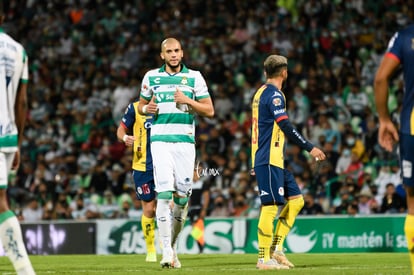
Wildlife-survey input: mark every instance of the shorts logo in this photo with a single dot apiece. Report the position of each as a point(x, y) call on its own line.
point(263, 193)
point(139, 190)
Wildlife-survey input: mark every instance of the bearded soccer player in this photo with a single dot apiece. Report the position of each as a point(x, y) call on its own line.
point(174, 94)
point(270, 128)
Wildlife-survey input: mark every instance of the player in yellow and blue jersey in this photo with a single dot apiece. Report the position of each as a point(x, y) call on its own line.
point(270, 128)
point(134, 130)
point(400, 52)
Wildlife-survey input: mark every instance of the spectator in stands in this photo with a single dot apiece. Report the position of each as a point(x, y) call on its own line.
point(32, 212)
point(311, 207)
point(392, 202)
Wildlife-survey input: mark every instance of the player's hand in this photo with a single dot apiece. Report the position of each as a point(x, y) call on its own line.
point(129, 140)
point(318, 154)
point(152, 106)
point(16, 160)
point(387, 135)
point(179, 97)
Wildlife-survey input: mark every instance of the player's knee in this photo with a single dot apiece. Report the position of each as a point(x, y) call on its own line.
point(296, 204)
point(181, 200)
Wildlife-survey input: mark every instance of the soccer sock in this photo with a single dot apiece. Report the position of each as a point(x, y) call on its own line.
point(163, 213)
point(286, 220)
point(265, 230)
point(409, 235)
point(12, 240)
point(148, 227)
point(180, 211)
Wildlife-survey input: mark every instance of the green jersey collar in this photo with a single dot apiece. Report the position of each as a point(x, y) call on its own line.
point(184, 69)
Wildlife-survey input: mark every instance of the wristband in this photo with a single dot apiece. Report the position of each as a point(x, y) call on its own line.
point(124, 138)
point(144, 109)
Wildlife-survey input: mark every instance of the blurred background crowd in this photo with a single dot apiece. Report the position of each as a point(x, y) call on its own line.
point(87, 58)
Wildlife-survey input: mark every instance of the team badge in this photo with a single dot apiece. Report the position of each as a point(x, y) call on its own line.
point(139, 190)
point(281, 191)
point(277, 101)
point(184, 81)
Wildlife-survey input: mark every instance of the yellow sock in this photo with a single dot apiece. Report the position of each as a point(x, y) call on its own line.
point(286, 220)
point(265, 230)
point(409, 235)
point(148, 228)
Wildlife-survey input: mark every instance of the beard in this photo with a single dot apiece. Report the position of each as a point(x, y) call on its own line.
point(173, 67)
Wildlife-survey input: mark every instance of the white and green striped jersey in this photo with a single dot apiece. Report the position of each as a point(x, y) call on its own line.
point(171, 124)
point(13, 70)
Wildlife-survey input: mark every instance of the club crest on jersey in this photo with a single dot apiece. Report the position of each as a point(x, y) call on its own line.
point(277, 101)
point(184, 81)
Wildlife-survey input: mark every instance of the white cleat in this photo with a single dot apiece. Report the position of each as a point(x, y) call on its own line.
point(271, 264)
point(281, 258)
point(176, 262)
point(167, 260)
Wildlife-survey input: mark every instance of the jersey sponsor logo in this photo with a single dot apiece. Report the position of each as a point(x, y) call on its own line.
point(145, 88)
point(276, 112)
point(157, 80)
point(147, 125)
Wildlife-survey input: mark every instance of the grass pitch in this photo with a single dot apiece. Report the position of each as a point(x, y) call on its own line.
point(349, 263)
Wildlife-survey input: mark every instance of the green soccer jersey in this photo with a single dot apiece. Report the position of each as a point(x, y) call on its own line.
point(13, 70)
point(173, 123)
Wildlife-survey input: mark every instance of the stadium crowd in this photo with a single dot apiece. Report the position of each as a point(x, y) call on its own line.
point(86, 61)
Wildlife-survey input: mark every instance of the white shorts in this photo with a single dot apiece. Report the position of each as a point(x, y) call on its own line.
point(6, 161)
point(173, 166)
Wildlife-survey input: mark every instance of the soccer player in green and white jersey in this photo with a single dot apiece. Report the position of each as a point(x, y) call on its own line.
point(174, 93)
point(14, 76)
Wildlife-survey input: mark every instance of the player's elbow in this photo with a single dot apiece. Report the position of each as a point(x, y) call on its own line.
point(210, 113)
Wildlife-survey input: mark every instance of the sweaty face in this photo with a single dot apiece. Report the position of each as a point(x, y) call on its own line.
point(172, 54)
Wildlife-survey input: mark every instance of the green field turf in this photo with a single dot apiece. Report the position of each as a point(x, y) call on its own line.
point(356, 264)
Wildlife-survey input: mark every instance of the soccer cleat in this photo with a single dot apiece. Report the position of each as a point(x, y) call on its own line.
point(167, 260)
point(281, 258)
point(270, 264)
point(176, 262)
point(151, 257)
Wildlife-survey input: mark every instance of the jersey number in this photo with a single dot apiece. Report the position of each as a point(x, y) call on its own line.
point(254, 130)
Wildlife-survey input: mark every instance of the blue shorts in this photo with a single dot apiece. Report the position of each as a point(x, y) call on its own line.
point(144, 185)
point(407, 159)
point(275, 184)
